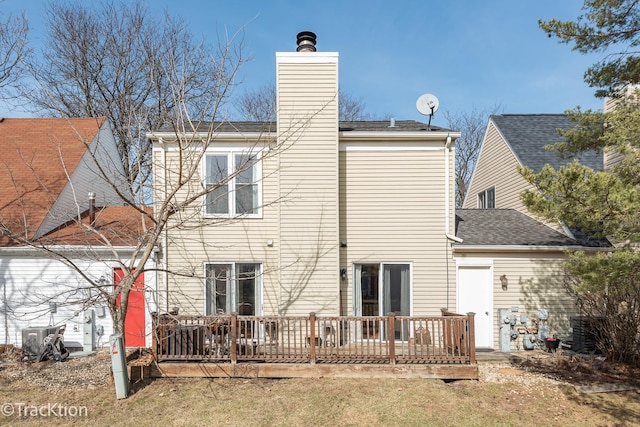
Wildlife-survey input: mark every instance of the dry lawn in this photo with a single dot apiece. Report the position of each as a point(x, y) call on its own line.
point(505, 396)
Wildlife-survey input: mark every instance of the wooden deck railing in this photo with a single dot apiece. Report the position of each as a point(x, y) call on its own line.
point(391, 339)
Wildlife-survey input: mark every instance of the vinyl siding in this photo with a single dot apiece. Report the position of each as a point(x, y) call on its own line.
point(300, 205)
point(393, 211)
point(308, 276)
point(194, 240)
point(497, 167)
point(535, 282)
point(31, 282)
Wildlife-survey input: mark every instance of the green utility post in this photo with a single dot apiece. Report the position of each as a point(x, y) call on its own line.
point(119, 365)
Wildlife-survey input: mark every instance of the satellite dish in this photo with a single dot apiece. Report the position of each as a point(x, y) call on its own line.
point(427, 104)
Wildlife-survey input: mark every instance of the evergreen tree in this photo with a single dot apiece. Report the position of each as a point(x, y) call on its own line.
point(604, 203)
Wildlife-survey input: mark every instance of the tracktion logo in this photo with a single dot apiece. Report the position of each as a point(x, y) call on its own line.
point(54, 410)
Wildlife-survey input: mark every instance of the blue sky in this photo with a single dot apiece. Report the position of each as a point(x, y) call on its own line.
point(470, 54)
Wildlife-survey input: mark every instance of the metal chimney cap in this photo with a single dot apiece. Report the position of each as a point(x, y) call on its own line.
point(306, 41)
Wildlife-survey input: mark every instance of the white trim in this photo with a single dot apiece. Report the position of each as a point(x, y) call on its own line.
point(166, 138)
point(231, 192)
point(306, 57)
point(473, 262)
point(232, 294)
point(380, 284)
point(389, 147)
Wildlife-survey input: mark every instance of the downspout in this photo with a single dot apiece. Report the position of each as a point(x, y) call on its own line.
point(447, 147)
point(447, 211)
point(165, 251)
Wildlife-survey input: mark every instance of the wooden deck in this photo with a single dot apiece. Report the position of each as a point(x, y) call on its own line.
point(313, 346)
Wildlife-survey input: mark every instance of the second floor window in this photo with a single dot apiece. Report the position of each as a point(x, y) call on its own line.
point(487, 198)
point(235, 177)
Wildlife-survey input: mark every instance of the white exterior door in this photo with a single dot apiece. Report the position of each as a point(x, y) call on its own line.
point(475, 294)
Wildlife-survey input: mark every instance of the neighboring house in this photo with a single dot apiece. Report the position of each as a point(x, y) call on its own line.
point(48, 169)
point(351, 218)
point(509, 262)
point(513, 140)
point(502, 240)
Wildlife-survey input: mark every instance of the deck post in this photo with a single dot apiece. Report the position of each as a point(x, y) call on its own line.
point(472, 337)
point(154, 336)
point(233, 340)
point(312, 338)
point(391, 337)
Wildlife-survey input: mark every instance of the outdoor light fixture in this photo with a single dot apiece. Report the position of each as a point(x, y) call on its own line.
point(343, 273)
point(343, 243)
point(504, 281)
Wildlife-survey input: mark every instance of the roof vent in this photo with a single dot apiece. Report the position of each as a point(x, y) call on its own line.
point(306, 41)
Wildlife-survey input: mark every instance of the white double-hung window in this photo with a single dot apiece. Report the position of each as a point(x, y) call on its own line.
point(234, 180)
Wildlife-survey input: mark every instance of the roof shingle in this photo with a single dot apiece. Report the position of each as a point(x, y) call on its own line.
point(38, 155)
point(528, 134)
point(498, 227)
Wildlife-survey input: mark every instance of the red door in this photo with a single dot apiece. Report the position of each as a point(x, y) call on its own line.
point(134, 325)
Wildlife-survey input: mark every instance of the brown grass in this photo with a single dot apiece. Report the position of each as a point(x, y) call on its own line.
point(329, 402)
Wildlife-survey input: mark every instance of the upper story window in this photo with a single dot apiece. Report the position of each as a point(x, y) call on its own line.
point(487, 198)
point(236, 178)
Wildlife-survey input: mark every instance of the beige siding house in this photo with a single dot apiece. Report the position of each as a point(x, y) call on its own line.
point(508, 263)
point(336, 218)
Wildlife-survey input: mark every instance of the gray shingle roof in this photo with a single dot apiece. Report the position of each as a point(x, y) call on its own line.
point(357, 126)
point(527, 134)
point(497, 227)
point(385, 126)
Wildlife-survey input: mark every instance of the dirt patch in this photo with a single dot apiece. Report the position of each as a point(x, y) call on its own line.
point(84, 372)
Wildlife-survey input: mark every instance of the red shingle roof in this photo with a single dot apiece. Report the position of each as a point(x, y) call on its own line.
point(37, 156)
point(121, 225)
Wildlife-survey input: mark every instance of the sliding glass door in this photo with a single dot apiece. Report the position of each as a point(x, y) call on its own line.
point(380, 289)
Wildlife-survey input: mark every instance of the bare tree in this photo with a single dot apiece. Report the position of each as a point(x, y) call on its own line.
point(120, 62)
point(259, 105)
point(13, 50)
point(143, 76)
point(351, 109)
point(472, 125)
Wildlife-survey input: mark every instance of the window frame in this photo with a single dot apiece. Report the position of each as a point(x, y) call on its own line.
point(381, 286)
point(232, 290)
point(483, 198)
point(234, 182)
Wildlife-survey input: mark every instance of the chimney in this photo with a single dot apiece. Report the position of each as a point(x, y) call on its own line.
point(306, 41)
point(92, 207)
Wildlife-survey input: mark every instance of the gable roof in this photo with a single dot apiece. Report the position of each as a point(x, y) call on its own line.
point(528, 134)
point(38, 156)
point(500, 227)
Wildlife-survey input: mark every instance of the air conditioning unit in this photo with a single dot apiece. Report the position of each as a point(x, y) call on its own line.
point(33, 337)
